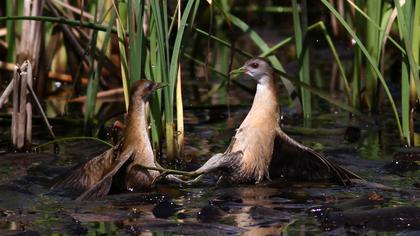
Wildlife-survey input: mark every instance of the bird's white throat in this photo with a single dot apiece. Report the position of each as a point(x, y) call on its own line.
point(264, 80)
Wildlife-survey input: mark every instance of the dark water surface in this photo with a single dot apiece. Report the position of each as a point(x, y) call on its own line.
point(272, 208)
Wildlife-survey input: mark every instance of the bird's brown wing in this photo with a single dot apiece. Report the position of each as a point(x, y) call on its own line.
point(293, 160)
point(87, 174)
point(229, 148)
point(102, 187)
point(221, 162)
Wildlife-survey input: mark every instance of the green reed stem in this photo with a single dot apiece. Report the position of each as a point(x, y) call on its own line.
point(371, 62)
point(300, 30)
point(92, 88)
point(404, 27)
point(121, 25)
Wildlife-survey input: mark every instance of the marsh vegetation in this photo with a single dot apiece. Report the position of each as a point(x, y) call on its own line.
point(348, 76)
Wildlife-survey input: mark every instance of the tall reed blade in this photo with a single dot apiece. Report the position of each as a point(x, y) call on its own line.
point(137, 50)
point(370, 60)
point(300, 30)
point(168, 63)
point(405, 100)
point(92, 88)
point(121, 23)
point(414, 97)
point(374, 10)
point(179, 103)
point(11, 35)
point(408, 23)
point(405, 27)
point(153, 72)
point(159, 16)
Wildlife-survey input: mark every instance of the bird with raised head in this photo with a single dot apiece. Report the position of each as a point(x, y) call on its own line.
point(122, 166)
point(261, 150)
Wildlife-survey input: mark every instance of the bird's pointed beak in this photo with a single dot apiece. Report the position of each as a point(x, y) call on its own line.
point(159, 86)
point(237, 72)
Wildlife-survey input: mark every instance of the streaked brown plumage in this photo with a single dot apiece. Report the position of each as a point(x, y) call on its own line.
point(260, 149)
point(124, 162)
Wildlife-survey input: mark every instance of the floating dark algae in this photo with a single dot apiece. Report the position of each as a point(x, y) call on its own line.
point(404, 160)
point(165, 208)
point(383, 219)
point(368, 213)
point(407, 154)
point(210, 213)
point(226, 202)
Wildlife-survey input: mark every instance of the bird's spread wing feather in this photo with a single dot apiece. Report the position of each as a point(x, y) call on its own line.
point(292, 160)
point(229, 148)
point(98, 190)
point(86, 174)
point(219, 161)
point(95, 173)
point(102, 187)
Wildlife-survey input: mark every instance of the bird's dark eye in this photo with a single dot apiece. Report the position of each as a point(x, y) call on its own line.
point(150, 86)
point(254, 65)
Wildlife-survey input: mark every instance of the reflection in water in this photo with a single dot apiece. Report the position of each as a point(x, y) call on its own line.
point(371, 146)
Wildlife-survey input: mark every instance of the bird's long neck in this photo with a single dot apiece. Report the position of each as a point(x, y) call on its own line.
point(265, 106)
point(136, 132)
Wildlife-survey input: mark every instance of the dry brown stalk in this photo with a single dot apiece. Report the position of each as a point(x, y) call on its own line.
point(21, 85)
point(108, 94)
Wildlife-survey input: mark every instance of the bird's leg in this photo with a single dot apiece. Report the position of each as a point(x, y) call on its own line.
point(215, 163)
point(175, 179)
point(170, 175)
point(165, 171)
point(159, 177)
point(158, 165)
point(219, 161)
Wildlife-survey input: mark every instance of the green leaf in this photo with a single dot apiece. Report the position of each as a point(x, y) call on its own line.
point(370, 60)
